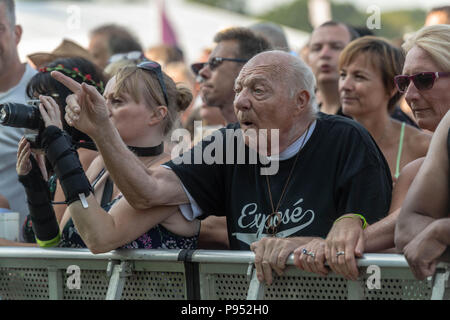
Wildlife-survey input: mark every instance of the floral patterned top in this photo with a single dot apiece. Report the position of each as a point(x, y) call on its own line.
point(157, 237)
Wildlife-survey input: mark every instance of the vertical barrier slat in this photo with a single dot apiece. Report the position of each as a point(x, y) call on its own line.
point(55, 283)
point(120, 272)
point(355, 290)
point(256, 289)
point(439, 285)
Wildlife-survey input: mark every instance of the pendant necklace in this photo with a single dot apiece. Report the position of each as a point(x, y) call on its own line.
point(274, 219)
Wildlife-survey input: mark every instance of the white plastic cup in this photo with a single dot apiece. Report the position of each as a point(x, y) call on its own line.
point(9, 225)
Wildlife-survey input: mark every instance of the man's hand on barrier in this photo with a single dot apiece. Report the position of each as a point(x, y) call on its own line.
point(345, 243)
point(86, 109)
point(271, 254)
point(311, 257)
point(423, 251)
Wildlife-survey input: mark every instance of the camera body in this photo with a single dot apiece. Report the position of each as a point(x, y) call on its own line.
point(26, 116)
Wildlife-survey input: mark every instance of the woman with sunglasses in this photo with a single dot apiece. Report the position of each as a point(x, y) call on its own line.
point(426, 82)
point(143, 104)
point(427, 51)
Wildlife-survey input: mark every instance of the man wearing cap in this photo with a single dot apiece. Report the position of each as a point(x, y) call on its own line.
point(14, 77)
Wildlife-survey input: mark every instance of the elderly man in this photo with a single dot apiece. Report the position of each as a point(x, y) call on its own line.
point(234, 47)
point(328, 166)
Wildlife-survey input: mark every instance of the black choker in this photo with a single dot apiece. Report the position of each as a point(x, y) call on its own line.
point(148, 151)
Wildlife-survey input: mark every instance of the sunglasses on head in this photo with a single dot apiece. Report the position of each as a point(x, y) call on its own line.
point(155, 67)
point(213, 63)
point(133, 55)
point(422, 81)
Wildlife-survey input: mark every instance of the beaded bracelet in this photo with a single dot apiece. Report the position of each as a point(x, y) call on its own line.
point(354, 215)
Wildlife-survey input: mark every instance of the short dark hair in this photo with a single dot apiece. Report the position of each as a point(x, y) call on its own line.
point(10, 11)
point(250, 44)
point(443, 9)
point(43, 83)
point(352, 32)
point(120, 39)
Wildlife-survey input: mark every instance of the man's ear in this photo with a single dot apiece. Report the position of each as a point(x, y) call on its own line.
point(18, 33)
point(302, 98)
point(158, 115)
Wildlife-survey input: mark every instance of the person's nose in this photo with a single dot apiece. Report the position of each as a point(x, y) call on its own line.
point(345, 83)
point(242, 100)
point(325, 52)
point(411, 93)
point(205, 72)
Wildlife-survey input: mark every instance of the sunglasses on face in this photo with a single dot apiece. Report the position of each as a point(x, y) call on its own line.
point(155, 67)
point(213, 63)
point(422, 81)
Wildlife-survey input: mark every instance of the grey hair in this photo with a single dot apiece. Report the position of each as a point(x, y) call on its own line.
point(10, 7)
point(303, 78)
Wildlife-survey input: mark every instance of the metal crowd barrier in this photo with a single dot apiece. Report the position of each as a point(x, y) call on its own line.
point(77, 274)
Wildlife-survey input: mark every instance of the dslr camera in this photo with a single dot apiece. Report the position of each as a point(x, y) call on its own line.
point(26, 116)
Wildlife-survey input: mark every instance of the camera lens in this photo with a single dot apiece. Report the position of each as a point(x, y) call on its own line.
point(3, 114)
point(20, 116)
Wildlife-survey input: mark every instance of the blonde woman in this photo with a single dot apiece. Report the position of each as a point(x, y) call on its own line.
point(143, 103)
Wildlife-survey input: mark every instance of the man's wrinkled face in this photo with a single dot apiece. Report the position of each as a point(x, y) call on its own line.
point(264, 99)
point(217, 88)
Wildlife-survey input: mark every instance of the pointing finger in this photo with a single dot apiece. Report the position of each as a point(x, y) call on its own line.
point(71, 84)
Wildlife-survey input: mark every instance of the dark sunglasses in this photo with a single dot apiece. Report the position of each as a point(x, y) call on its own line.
point(422, 81)
point(213, 63)
point(155, 67)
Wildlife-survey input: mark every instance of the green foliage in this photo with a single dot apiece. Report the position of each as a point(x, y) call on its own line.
point(393, 24)
point(294, 15)
point(232, 5)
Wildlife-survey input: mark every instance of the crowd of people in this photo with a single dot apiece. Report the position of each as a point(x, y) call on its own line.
point(355, 171)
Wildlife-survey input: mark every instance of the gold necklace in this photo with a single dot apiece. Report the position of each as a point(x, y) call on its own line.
point(271, 225)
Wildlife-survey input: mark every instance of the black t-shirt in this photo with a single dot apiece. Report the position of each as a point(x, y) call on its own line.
point(339, 170)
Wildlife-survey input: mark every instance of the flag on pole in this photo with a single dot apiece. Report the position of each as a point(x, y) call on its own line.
point(168, 35)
